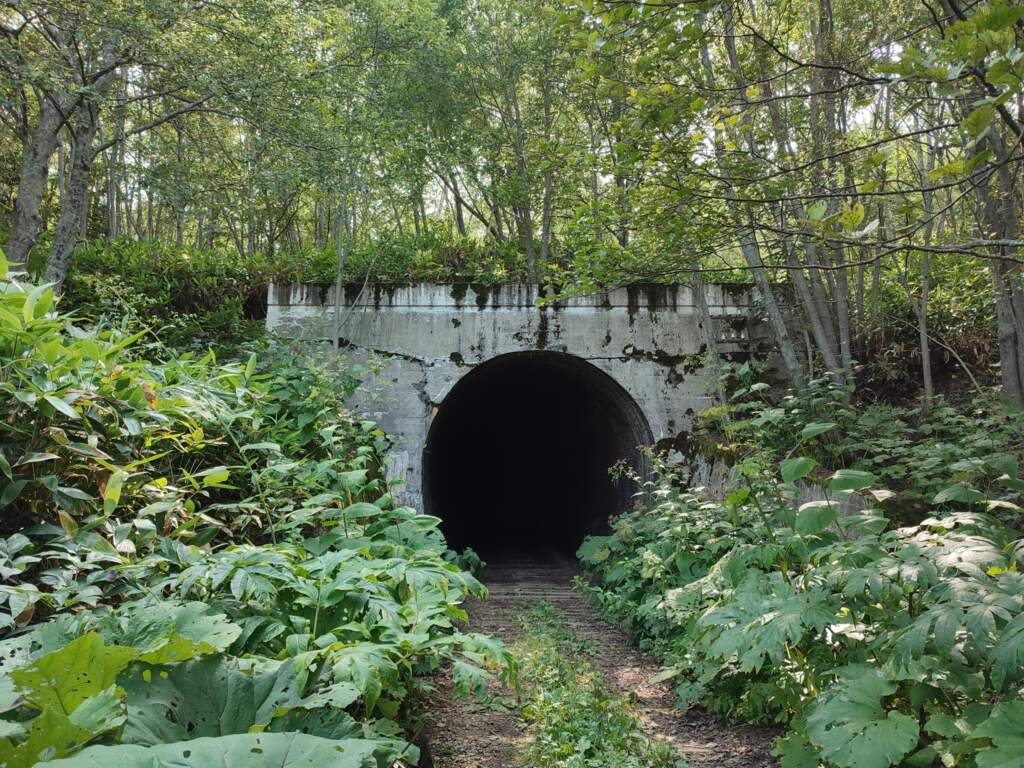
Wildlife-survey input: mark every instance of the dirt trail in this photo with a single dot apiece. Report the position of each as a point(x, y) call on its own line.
point(464, 735)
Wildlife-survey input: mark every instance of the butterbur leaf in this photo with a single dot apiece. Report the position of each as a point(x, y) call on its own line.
point(796, 468)
point(338, 696)
point(942, 724)
point(851, 726)
point(63, 679)
point(212, 696)
point(54, 734)
point(9, 696)
point(958, 492)
point(252, 750)
point(102, 712)
point(51, 735)
point(326, 722)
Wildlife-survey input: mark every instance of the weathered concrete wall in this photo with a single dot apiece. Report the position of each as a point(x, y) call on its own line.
point(424, 338)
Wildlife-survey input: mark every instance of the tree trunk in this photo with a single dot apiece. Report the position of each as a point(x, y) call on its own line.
point(752, 255)
point(922, 334)
point(707, 327)
point(745, 231)
point(346, 232)
point(460, 219)
point(74, 209)
point(35, 165)
point(179, 205)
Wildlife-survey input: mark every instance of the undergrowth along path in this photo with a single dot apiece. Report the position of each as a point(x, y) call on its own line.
point(485, 734)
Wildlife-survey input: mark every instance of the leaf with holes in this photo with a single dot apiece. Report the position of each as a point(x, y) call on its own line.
point(63, 679)
point(166, 632)
point(212, 696)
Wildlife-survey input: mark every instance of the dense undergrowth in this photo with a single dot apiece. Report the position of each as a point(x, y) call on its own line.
point(883, 623)
point(201, 561)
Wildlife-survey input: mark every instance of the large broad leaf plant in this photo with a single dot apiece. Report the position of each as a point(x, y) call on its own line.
point(875, 642)
point(201, 563)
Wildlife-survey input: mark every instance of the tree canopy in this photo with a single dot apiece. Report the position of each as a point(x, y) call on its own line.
point(858, 160)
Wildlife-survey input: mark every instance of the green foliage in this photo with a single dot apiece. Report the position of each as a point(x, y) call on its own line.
point(875, 644)
point(575, 721)
point(852, 728)
point(187, 298)
point(436, 256)
point(197, 551)
point(963, 455)
point(261, 750)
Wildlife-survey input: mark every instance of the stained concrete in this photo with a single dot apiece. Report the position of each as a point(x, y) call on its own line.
point(422, 339)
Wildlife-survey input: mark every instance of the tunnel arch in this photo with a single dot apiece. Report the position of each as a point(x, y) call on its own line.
point(517, 455)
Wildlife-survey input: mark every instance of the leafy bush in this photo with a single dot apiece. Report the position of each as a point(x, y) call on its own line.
point(967, 452)
point(191, 299)
point(204, 559)
point(187, 298)
point(877, 645)
point(435, 256)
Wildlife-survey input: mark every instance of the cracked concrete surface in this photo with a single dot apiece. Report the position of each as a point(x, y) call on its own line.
point(647, 338)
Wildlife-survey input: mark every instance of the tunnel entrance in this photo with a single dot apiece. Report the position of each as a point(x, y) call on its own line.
point(517, 457)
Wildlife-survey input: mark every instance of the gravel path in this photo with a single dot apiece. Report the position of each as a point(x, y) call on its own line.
point(467, 735)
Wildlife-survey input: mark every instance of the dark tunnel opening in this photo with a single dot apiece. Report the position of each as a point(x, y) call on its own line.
point(517, 458)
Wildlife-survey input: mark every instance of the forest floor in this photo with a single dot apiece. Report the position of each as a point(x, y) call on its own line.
point(483, 734)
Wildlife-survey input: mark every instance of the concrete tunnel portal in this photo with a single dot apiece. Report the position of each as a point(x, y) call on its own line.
point(517, 456)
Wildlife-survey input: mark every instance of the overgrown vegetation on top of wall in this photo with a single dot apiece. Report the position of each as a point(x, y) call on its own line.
point(201, 561)
point(198, 299)
point(888, 636)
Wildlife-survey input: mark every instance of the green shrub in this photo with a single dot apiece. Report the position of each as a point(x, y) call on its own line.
point(970, 450)
point(204, 559)
point(875, 644)
point(436, 256)
point(188, 299)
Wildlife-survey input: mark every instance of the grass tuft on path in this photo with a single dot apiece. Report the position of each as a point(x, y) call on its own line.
point(575, 720)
